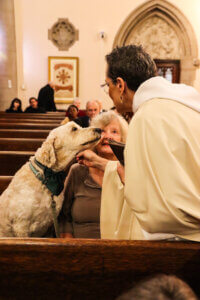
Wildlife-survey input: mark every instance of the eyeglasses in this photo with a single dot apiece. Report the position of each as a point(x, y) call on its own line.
point(105, 87)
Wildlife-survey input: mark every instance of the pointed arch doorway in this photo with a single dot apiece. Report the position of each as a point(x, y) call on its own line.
point(165, 33)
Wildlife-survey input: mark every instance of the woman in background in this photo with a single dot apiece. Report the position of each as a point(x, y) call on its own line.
point(15, 107)
point(80, 216)
point(72, 113)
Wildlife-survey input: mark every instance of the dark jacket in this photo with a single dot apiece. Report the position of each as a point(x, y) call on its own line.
point(83, 121)
point(30, 109)
point(46, 98)
point(10, 110)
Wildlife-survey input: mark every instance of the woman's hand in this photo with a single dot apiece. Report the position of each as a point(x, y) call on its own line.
point(91, 159)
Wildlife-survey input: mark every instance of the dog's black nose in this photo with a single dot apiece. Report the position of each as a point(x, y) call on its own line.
point(98, 130)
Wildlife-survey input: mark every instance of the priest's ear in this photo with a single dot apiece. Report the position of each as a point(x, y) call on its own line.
point(121, 84)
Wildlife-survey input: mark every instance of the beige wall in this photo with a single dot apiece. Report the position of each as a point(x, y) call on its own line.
point(8, 66)
point(35, 17)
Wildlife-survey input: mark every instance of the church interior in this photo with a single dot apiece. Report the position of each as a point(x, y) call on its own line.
point(65, 42)
point(168, 30)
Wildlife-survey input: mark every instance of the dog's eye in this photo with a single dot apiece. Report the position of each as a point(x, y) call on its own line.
point(74, 128)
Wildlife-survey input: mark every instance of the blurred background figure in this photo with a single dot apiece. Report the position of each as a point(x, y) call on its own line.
point(81, 112)
point(100, 106)
point(33, 107)
point(77, 102)
point(15, 106)
point(72, 113)
point(92, 110)
point(160, 287)
point(46, 97)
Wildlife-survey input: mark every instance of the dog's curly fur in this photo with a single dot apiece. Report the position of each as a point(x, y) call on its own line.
point(25, 206)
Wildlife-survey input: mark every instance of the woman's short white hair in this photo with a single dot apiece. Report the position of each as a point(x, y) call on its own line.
point(105, 118)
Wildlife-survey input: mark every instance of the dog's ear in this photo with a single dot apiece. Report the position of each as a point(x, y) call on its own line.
point(48, 153)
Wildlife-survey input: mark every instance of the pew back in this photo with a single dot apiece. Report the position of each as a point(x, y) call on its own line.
point(4, 182)
point(19, 125)
point(30, 120)
point(89, 269)
point(24, 133)
point(20, 144)
point(53, 116)
point(11, 161)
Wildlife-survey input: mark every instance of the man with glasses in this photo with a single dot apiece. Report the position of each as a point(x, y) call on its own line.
point(92, 109)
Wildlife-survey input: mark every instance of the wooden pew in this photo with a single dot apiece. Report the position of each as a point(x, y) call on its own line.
point(20, 144)
point(89, 269)
point(20, 125)
point(30, 120)
point(11, 161)
point(48, 113)
point(4, 182)
point(23, 133)
point(57, 116)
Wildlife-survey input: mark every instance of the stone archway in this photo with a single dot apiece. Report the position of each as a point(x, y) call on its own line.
point(165, 33)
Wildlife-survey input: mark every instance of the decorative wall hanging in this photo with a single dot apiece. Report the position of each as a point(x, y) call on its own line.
point(63, 34)
point(63, 71)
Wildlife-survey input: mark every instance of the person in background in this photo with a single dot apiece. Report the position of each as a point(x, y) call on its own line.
point(81, 112)
point(46, 97)
point(101, 106)
point(80, 216)
point(15, 106)
point(160, 287)
point(77, 102)
point(92, 110)
point(72, 113)
point(33, 107)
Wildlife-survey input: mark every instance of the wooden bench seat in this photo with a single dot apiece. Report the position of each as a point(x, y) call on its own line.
point(89, 269)
point(11, 161)
point(30, 120)
point(20, 125)
point(24, 133)
point(20, 144)
point(32, 115)
point(4, 182)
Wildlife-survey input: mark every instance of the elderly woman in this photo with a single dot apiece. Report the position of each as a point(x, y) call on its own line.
point(80, 216)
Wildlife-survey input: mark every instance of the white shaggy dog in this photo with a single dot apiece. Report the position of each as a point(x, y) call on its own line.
point(25, 206)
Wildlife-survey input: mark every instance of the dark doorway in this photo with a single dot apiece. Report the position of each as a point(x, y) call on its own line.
point(169, 69)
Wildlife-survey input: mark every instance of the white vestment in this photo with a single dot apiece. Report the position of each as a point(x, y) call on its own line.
point(161, 196)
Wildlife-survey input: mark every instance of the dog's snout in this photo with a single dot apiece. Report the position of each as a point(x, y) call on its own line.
point(98, 130)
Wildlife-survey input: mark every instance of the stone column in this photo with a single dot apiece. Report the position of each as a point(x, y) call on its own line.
point(8, 66)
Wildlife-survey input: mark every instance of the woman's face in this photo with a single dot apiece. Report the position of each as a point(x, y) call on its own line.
point(111, 131)
point(16, 104)
point(114, 95)
point(73, 113)
point(121, 95)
